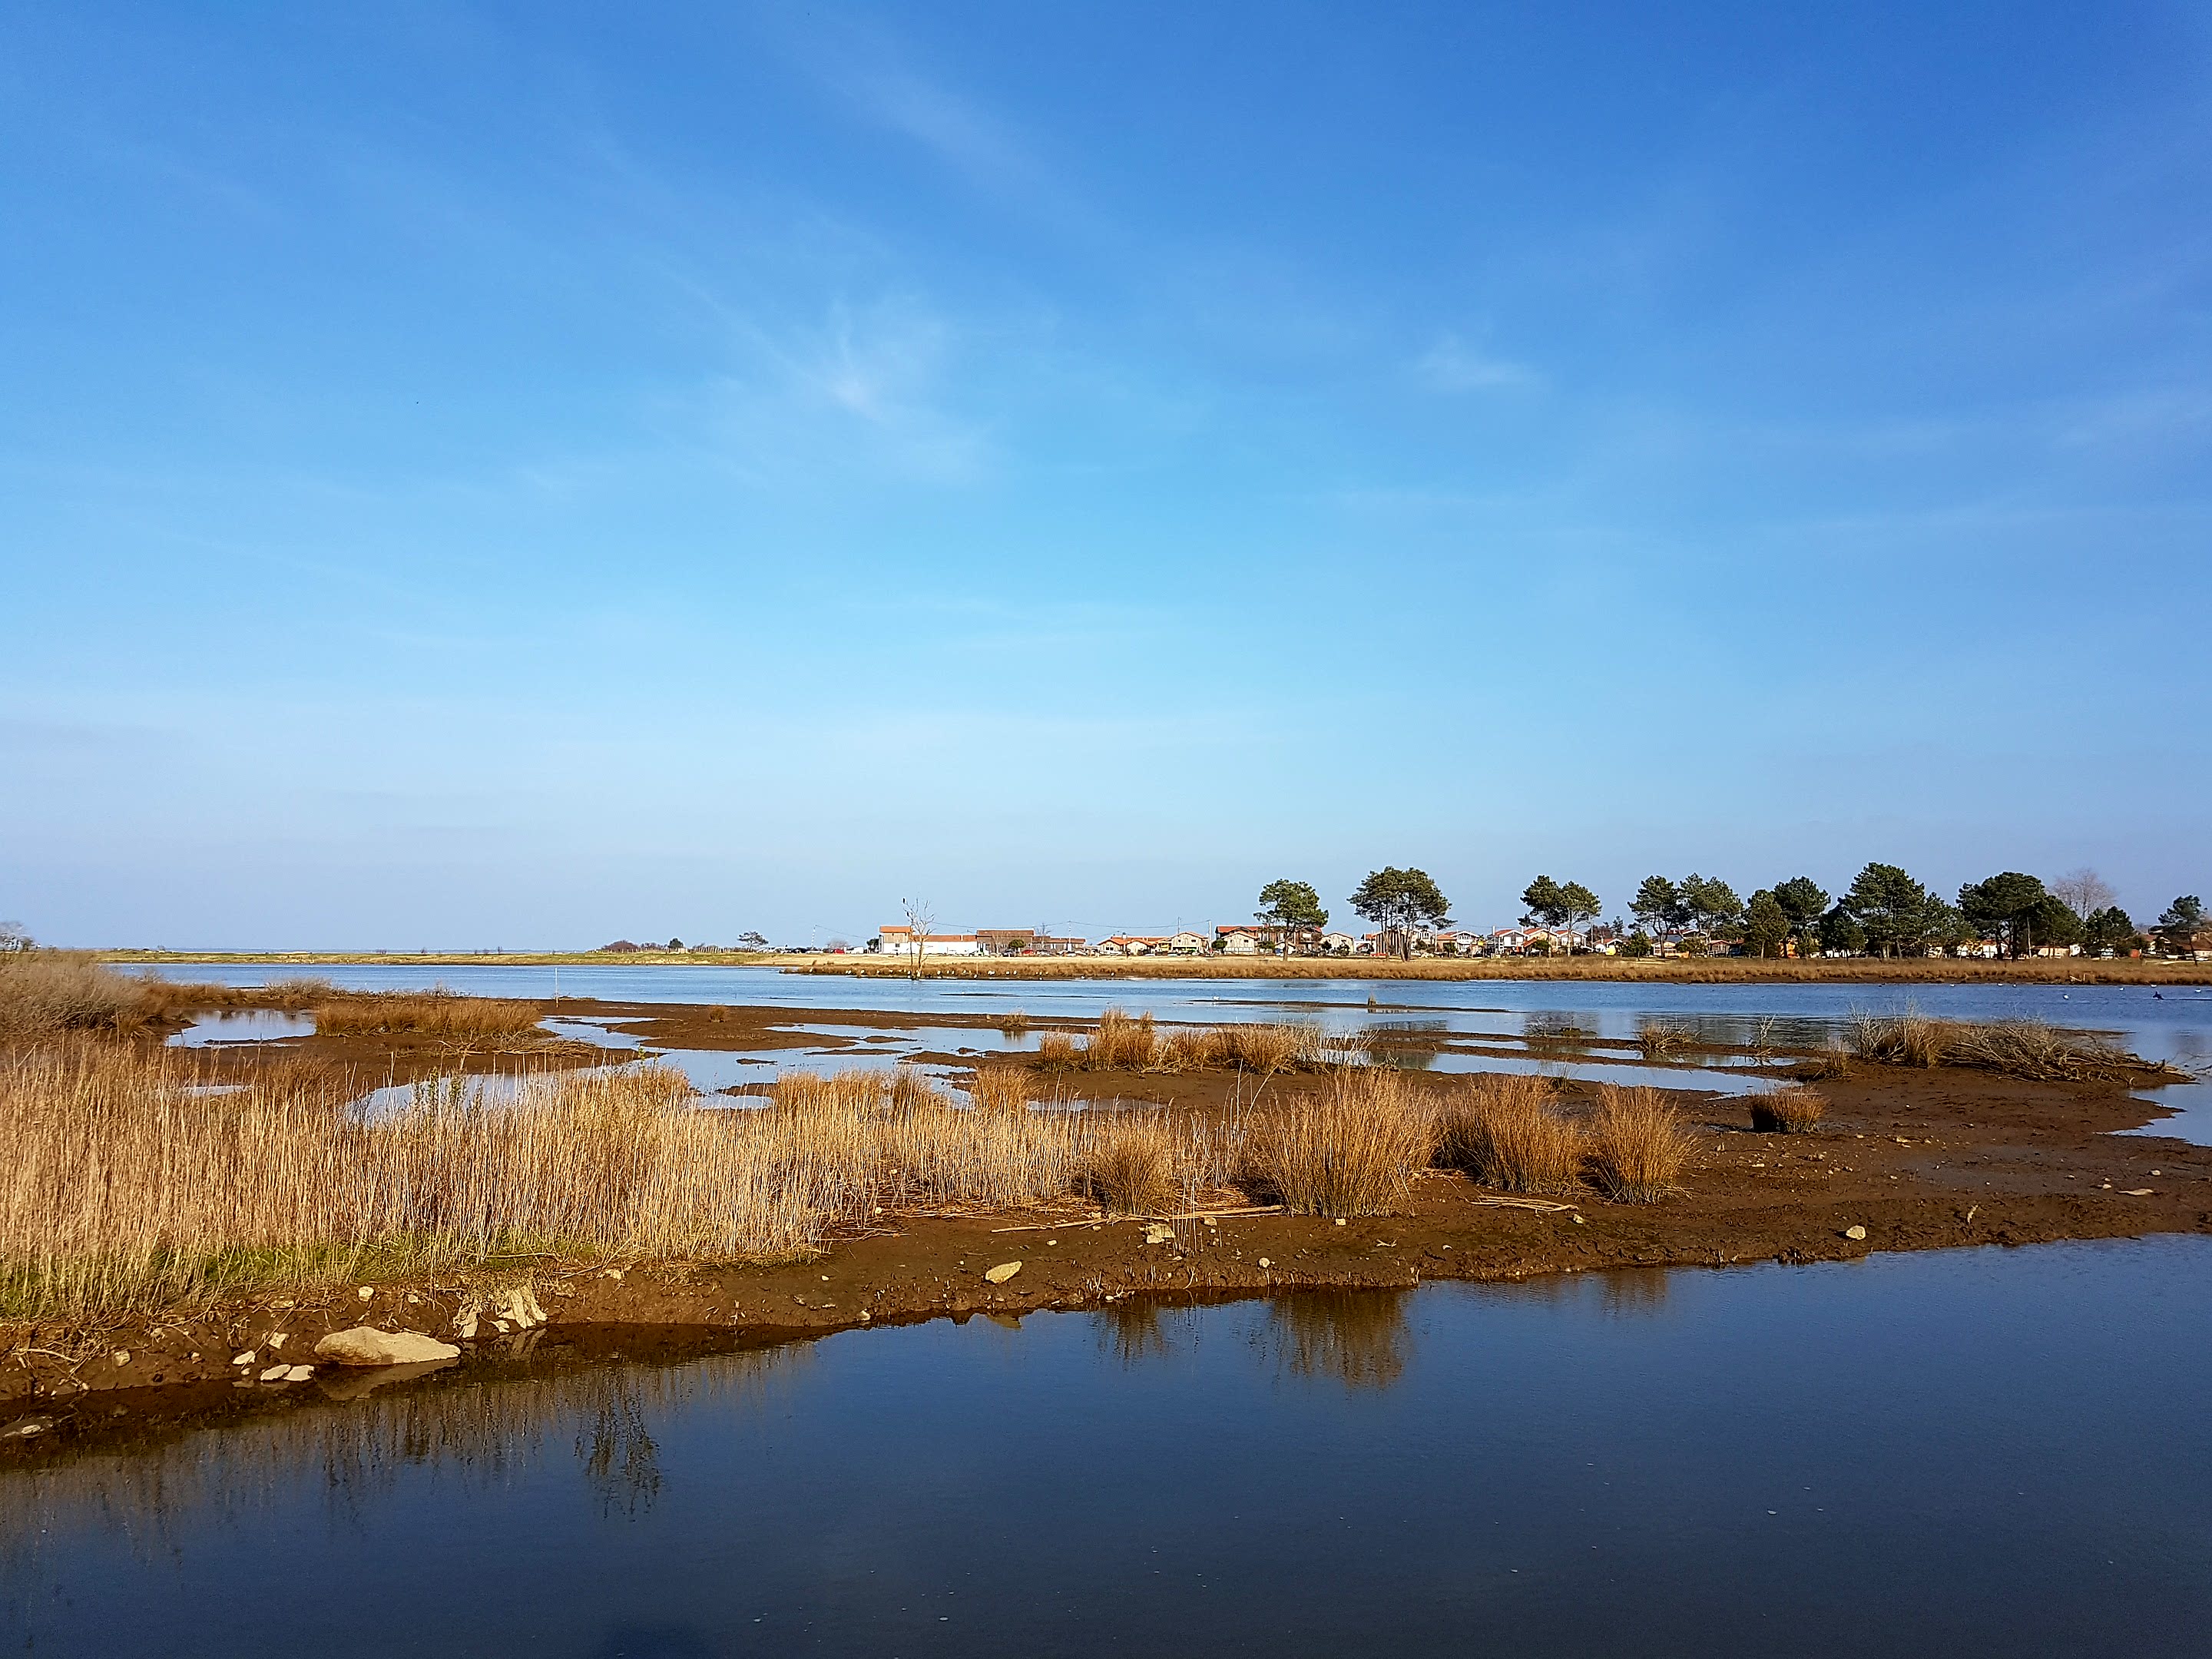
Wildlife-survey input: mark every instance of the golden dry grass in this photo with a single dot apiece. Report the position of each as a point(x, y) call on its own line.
point(1352, 1149)
point(1000, 1089)
point(43, 991)
point(1131, 1043)
point(1789, 1111)
point(1638, 1144)
point(1130, 1165)
point(1505, 1131)
point(132, 1186)
point(2015, 1047)
point(1058, 1052)
point(444, 1016)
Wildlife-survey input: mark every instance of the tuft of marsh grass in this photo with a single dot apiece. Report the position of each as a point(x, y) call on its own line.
point(1056, 1051)
point(1014, 1026)
point(1638, 1144)
point(1502, 1130)
point(1350, 1150)
point(447, 1016)
point(1788, 1111)
point(1130, 1165)
point(1658, 1040)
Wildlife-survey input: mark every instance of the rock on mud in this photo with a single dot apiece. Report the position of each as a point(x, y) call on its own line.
point(1002, 1273)
point(364, 1345)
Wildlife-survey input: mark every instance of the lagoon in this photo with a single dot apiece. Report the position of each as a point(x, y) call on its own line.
point(1983, 1451)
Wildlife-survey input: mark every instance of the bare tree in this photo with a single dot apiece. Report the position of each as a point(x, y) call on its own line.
point(919, 919)
point(2083, 891)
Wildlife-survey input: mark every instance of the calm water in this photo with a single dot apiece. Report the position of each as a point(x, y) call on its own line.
point(1971, 1453)
point(2176, 1025)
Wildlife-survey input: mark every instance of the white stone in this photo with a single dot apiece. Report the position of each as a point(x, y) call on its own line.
point(364, 1345)
point(1265, 1262)
point(246, 1358)
point(1855, 1233)
point(521, 1306)
point(367, 1293)
point(299, 1373)
point(122, 1356)
point(465, 1325)
point(1002, 1273)
point(276, 1337)
point(277, 1374)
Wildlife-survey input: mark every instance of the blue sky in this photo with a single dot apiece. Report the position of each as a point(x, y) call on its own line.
point(523, 475)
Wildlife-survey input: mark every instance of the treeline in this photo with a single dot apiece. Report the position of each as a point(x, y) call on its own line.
point(1884, 912)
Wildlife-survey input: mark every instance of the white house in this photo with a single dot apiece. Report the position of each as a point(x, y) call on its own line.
point(1186, 941)
point(899, 940)
point(1338, 943)
point(1133, 945)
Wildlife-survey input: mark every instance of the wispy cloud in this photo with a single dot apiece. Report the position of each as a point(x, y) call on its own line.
point(1451, 365)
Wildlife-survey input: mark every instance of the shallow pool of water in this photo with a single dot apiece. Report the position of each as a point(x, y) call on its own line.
point(1975, 1452)
point(242, 1025)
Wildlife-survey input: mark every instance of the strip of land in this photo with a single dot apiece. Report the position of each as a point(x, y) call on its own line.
point(2034, 970)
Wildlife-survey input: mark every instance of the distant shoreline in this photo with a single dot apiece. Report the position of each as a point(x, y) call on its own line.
point(2062, 970)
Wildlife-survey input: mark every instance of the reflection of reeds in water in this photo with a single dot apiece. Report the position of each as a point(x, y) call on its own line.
point(160, 1490)
point(1133, 1332)
point(1359, 1338)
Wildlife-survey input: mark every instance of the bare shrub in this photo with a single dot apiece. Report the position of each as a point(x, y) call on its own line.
point(1350, 1150)
point(1639, 1145)
point(1502, 1129)
point(1832, 1061)
point(1658, 1040)
point(1014, 1026)
point(1790, 1111)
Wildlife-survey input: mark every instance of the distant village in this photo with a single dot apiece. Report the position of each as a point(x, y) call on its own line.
point(1245, 939)
point(1885, 912)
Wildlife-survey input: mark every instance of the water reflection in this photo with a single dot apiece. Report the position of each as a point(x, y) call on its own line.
point(1357, 1338)
point(621, 1459)
point(1273, 1476)
point(1133, 1332)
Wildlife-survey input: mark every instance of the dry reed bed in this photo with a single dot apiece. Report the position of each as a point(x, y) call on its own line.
point(2025, 1048)
point(133, 1185)
point(1127, 1042)
point(44, 992)
point(442, 1015)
